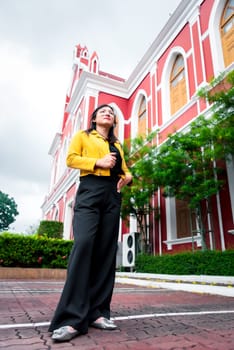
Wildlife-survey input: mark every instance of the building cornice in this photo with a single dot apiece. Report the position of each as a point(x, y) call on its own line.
point(96, 82)
point(176, 22)
point(184, 11)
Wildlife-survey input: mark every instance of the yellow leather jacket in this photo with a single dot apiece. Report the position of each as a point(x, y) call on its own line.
point(85, 149)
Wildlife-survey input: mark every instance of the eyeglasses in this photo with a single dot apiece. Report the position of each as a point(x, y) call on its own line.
point(106, 111)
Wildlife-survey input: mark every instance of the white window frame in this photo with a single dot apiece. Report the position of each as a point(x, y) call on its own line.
point(170, 204)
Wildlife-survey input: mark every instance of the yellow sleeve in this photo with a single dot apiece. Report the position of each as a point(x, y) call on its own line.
point(75, 157)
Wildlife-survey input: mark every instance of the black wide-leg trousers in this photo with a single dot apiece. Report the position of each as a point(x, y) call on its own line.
point(90, 278)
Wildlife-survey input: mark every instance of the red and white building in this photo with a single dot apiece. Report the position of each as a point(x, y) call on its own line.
point(195, 45)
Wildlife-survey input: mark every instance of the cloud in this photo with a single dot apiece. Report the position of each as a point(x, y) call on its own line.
point(36, 44)
point(31, 111)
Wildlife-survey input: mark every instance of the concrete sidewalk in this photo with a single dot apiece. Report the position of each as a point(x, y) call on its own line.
point(217, 285)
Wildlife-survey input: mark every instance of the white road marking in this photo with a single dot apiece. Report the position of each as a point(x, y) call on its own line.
point(131, 317)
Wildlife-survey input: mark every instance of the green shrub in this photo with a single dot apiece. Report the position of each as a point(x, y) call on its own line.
point(17, 250)
point(198, 263)
point(33, 251)
point(50, 229)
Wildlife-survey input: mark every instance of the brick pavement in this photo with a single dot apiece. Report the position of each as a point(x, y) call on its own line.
point(148, 318)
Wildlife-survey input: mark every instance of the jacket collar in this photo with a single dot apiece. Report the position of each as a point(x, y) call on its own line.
point(95, 133)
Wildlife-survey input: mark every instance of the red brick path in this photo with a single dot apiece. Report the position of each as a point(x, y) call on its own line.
point(148, 318)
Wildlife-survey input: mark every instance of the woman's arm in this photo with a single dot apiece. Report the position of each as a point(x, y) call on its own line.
point(75, 158)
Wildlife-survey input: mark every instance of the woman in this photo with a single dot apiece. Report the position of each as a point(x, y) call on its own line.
point(87, 293)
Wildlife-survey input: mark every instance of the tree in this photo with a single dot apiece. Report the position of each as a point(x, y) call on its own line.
point(187, 166)
point(190, 165)
point(137, 197)
point(50, 229)
point(8, 211)
point(220, 93)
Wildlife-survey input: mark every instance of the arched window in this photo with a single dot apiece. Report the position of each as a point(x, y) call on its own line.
point(178, 93)
point(56, 215)
point(227, 32)
point(85, 53)
point(119, 128)
point(95, 66)
point(116, 130)
point(142, 116)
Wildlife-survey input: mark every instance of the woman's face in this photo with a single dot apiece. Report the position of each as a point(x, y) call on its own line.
point(105, 117)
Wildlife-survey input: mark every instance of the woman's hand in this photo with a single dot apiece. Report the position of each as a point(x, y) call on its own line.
point(107, 162)
point(122, 182)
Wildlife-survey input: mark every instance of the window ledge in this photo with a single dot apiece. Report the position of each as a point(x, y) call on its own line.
point(172, 242)
point(171, 118)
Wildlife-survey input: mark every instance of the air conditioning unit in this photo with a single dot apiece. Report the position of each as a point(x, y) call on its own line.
point(128, 249)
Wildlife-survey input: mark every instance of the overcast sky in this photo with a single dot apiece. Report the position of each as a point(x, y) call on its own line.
point(37, 38)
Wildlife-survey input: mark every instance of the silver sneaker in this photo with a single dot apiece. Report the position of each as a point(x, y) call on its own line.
point(63, 334)
point(104, 323)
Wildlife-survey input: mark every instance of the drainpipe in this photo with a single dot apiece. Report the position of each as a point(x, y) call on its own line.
point(159, 226)
point(219, 214)
point(220, 222)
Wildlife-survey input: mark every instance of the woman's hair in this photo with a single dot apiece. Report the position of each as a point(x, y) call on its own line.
point(111, 136)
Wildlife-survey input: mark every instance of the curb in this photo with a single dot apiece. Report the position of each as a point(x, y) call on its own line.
point(216, 285)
